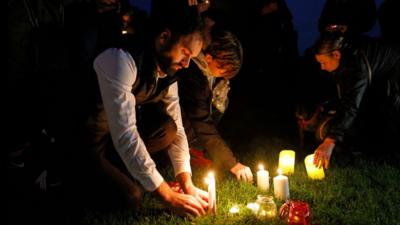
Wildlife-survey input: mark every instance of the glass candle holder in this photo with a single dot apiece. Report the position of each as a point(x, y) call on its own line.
point(267, 208)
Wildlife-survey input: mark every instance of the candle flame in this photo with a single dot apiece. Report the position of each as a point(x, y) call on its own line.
point(261, 167)
point(209, 177)
point(279, 171)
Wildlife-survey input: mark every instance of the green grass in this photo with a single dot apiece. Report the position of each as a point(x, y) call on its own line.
point(361, 193)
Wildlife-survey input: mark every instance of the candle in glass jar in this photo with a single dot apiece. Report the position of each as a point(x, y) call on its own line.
point(281, 186)
point(312, 171)
point(262, 178)
point(286, 161)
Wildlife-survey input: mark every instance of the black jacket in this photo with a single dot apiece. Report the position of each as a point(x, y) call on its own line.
point(361, 91)
point(195, 100)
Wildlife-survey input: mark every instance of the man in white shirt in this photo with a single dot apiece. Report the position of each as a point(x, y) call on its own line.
point(140, 110)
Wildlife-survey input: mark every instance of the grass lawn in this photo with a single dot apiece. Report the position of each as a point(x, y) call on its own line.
point(362, 192)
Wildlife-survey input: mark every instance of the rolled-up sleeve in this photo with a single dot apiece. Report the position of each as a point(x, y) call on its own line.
point(179, 149)
point(116, 73)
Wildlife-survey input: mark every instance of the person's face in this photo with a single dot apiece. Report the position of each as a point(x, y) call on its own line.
point(330, 61)
point(214, 67)
point(172, 58)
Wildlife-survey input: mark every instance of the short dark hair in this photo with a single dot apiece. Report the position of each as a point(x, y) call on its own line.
point(227, 50)
point(175, 15)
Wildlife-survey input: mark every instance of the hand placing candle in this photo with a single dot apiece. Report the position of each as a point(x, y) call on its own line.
point(262, 178)
point(212, 197)
point(286, 161)
point(281, 186)
point(312, 171)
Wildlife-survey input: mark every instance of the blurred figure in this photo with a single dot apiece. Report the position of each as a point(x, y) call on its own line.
point(351, 17)
point(203, 91)
point(388, 15)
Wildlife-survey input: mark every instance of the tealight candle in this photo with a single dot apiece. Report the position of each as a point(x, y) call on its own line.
point(262, 178)
point(253, 206)
point(234, 210)
point(212, 200)
point(312, 171)
point(286, 161)
point(281, 186)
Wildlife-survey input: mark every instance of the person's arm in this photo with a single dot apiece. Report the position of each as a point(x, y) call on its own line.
point(116, 73)
point(195, 97)
point(179, 149)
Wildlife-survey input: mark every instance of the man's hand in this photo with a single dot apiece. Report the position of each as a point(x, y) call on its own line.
point(242, 172)
point(180, 204)
point(188, 188)
point(323, 153)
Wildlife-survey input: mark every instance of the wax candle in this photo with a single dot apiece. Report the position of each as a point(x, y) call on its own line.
point(281, 186)
point(312, 171)
point(286, 161)
point(212, 200)
point(262, 178)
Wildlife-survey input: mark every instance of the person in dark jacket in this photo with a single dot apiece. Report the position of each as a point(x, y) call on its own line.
point(203, 96)
point(368, 87)
point(353, 17)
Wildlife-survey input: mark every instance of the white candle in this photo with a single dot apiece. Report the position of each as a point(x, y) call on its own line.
point(286, 161)
point(262, 178)
point(212, 200)
point(312, 171)
point(281, 186)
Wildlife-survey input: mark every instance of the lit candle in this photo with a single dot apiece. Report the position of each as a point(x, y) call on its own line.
point(281, 186)
point(312, 171)
point(286, 161)
point(212, 200)
point(234, 210)
point(254, 207)
point(262, 178)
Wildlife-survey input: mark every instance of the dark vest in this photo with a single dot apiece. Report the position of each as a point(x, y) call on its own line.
point(147, 87)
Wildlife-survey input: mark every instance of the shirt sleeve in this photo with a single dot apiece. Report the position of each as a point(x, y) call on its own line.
point(179, 149)
point(116, 73)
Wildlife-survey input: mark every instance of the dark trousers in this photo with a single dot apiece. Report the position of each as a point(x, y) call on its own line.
point(156, 128)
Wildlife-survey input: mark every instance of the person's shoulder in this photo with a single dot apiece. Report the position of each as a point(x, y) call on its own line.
point(112, 56)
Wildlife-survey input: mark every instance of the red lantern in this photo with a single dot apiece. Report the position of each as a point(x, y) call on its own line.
point(295, 212)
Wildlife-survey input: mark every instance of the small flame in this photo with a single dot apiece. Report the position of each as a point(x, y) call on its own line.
point(261, 167)
point(234, 210)
point(279, 171)
point(209, 177)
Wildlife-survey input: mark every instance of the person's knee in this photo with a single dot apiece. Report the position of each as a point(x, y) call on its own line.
point(134, 198)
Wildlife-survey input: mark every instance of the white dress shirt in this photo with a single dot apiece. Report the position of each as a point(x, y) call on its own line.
point(116, 73)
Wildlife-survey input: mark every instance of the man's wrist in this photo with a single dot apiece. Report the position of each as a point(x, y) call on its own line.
point(185, 179)
point(329, 140)
point(164, 192)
